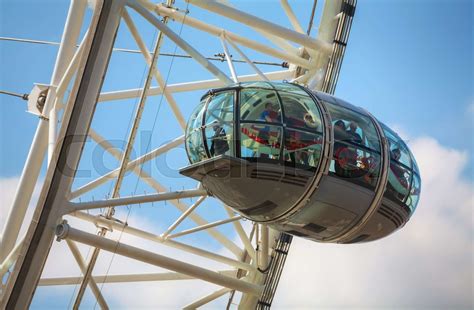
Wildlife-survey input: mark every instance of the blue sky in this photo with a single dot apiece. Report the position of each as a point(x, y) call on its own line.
point(410, 63)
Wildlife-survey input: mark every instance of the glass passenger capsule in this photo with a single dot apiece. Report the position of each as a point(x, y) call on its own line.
point(303, 162)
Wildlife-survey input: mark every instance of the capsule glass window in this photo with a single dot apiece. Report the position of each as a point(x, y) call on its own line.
point(400, 172)
point(259, 105)
point(398, 149)
point(414, 164)
point(288, 87)
point(260, 141)
point(257, 84)
point(398, 186)
point(302, 149)
point(194, 140)
point(356, 147)
point(414, 197)
point(219, 124)
point(301, 112)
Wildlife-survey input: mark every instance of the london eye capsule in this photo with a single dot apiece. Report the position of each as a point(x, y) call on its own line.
point(303, 162)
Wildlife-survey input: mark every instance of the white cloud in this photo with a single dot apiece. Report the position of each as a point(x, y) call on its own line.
point(401, 132)
point(8, 187)
point(470, 107)
point(427, 264)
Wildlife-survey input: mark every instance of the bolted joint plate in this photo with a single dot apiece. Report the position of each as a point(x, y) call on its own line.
point(37, 99)
point(62, 231)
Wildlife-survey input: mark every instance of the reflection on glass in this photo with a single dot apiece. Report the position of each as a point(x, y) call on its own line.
point(260, 141)
point(257, 84)
point(287, 87)
point(402, 165)
point(221, 109)
point(219, 124)
point(414, 197)
point(353, 127)
point(356, 164)
point(398, 184)
point(356, 147)
point(260, 105)
point(301, 112)
point(219, 139)
point(398, 150)
point(302, 148)
point(195, 121)
point(194, 143)
point(414, 164)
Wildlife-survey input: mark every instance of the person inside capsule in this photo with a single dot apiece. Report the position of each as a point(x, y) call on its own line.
point(398, 184)
point(219, 143)
point(354, 145)
point(353, 135)
point(403, 186)
point(268, 115)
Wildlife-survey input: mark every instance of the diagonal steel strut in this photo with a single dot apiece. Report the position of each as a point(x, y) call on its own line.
point(124, 162)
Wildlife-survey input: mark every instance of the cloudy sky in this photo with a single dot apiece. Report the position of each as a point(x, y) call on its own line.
point(410, 63)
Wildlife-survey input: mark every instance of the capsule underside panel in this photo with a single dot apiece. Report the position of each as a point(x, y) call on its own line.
point(258, 191)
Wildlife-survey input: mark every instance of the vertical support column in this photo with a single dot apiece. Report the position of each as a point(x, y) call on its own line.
point(92, 283)
point(69, 39)
point(72, 136)
point(264, 243)
point(228, 58)
point(247, 60)
point(37, 151)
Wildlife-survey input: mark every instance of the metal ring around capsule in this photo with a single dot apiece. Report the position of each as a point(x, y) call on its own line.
point(324, 163)
point(379, 190)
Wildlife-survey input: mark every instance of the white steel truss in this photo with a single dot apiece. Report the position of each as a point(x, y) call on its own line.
point(246, 249)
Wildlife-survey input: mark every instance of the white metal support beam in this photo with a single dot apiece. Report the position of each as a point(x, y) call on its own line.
point(68, 43)
point(281, 43)
point(132, 165)
point(126, 278)
point(182, 217)
point(263, 246)
point(148, 57)
point(263, 25)
point(192, 86)
point(242, 235)
point(11, 258)
point(82, 265)
point(247, 60)
point(228, 58)
point(291, 16)
point(70, 71)
point(216, 31)
point(124, 201)
point(207, 299)
point(64, 231)
point(180, 42)
point(101, 221)
point(204, 227)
